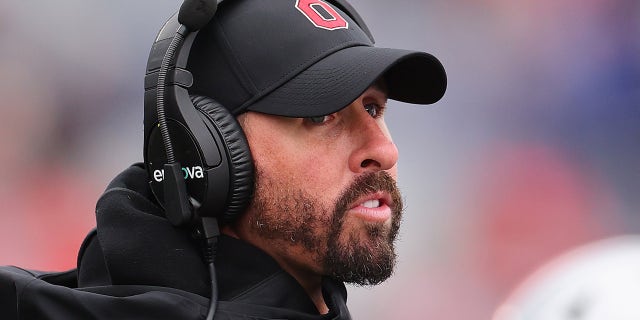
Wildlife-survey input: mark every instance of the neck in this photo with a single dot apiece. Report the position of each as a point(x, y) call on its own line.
point(310, 281)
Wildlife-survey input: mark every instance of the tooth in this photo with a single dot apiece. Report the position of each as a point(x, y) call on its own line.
point(371, 204)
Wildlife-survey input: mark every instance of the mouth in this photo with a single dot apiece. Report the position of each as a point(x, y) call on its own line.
point(374, 207)
point(371, 203)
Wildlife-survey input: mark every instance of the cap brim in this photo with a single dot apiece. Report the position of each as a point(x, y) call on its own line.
point(335, 81)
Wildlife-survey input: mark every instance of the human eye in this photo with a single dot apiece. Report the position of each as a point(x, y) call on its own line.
point(375, 110)
point(319, 120)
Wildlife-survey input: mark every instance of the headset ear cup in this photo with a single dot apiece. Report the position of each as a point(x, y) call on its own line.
point(239, 155)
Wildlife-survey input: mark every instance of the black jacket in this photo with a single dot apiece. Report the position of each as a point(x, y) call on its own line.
point(136, 265)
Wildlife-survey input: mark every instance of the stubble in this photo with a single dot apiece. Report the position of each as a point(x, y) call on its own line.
point(291, 217)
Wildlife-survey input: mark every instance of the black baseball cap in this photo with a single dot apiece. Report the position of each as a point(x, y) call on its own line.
point(302, 58)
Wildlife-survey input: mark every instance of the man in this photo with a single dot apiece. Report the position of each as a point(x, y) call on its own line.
point(309, 91)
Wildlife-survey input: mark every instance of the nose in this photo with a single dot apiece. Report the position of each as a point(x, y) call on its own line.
point(374, 149)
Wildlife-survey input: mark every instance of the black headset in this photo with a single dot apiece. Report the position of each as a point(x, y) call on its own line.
point(206, 149)
point(196, 154)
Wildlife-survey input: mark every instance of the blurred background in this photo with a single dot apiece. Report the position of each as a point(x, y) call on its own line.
point(534, 150)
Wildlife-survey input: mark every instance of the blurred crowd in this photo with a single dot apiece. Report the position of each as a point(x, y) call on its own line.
point(533, 151)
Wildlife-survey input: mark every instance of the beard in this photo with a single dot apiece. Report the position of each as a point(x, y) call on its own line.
point(364, 256)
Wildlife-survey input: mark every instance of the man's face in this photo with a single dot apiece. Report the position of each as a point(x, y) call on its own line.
point(326, 201)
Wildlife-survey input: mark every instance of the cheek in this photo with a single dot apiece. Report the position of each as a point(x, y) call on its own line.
point(323, 169)
point(313, 165)
point(318, 173)
point(305, 170)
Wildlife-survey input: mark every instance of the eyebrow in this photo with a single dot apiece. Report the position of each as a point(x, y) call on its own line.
point(381, 86)
point(379, 91)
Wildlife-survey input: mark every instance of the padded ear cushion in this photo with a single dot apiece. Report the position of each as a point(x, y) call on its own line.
point(238, 152)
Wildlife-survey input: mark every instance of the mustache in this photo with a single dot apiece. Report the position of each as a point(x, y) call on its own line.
point(368, 183)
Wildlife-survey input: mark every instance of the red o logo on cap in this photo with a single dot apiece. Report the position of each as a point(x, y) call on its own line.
point(321, 14)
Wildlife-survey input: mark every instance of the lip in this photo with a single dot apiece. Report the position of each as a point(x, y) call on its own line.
point(381, 213)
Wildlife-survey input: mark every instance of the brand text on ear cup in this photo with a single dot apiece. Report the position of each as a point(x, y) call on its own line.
point(189, 173)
